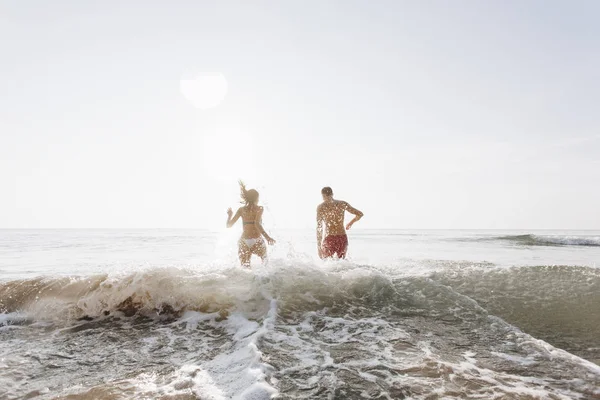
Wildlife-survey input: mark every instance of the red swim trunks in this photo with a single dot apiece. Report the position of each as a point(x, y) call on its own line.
point(335, 244)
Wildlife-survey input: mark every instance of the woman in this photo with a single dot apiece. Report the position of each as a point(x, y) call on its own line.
point(251, 241)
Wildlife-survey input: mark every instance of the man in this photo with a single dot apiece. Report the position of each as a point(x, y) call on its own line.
point(331, 213)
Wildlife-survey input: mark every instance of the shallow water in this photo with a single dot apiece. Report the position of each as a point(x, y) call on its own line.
point(411, 314)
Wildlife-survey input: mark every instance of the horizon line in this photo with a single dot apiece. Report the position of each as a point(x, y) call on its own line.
point(305, 228)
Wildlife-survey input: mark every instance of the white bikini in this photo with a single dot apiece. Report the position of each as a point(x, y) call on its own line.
point(251, 242)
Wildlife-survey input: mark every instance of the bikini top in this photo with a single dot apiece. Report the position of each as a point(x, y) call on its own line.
point(249, 222)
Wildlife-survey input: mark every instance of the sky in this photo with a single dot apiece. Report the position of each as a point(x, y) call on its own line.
point(423, 114)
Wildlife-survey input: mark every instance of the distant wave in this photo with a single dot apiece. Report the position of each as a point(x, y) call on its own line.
point(551, 240)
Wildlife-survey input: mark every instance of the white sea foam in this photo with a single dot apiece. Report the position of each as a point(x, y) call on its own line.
point(8, 319)
point(569, 240)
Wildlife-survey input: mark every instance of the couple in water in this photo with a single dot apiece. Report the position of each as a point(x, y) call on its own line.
point(331, 233)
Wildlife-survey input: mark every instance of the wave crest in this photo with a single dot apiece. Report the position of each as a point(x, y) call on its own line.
point(552, 240)
point(172, 291)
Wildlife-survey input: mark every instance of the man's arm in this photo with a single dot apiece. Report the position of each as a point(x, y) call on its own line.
point(232, 221)
point(260, 228)
point(357, 214)
point(319, 231)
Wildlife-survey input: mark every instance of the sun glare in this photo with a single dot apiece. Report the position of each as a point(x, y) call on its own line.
point(228, 154)
point(204, 91)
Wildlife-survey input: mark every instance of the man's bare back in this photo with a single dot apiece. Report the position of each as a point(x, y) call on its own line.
point(332, 214)
point(330, 223)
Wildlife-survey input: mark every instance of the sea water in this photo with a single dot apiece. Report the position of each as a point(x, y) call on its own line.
point(169, 314)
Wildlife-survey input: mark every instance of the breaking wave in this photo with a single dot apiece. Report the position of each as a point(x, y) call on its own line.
point(307, 331)
point(551, 240)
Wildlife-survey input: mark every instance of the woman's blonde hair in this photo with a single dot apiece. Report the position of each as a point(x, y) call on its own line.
point(249, 197)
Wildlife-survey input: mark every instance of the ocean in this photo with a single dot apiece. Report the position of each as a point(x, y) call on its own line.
point(169, 314)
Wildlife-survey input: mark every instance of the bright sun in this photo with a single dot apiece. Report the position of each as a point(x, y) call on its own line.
point(204, 91)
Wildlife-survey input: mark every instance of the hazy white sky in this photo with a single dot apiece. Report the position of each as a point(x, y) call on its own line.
point(423, 114)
